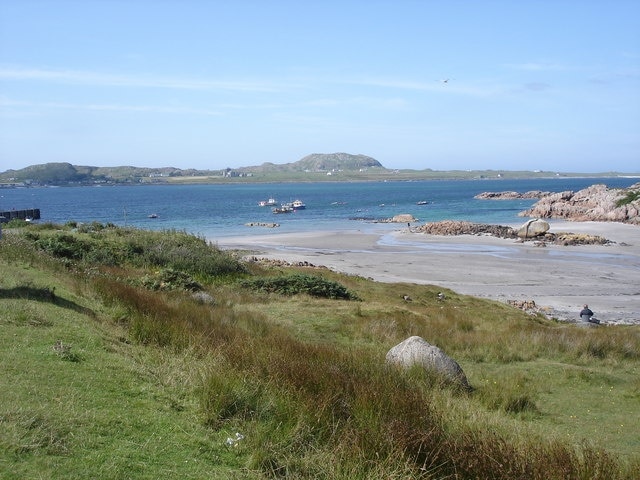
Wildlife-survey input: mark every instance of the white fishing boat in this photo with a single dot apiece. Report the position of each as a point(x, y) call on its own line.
point(268, 203)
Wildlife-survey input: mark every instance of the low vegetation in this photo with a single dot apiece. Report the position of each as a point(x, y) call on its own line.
point(136, 354)
point(294, 284)
point(630, 197)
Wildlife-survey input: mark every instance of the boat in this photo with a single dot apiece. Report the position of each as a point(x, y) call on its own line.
point(422, 202)
point(297, 205)
point(286, 208)
point(153, 215)
point(268, 203)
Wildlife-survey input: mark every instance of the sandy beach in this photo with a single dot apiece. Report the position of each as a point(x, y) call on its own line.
point(560, 279)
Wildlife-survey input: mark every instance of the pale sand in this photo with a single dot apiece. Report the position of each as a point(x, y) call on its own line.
point(559, 279)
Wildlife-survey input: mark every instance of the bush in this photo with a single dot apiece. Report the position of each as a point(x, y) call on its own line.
point(100, 244)
point(170, 279)
point(63, 245)
point(300, 283)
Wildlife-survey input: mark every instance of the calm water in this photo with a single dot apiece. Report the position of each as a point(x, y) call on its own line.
point(223, 210)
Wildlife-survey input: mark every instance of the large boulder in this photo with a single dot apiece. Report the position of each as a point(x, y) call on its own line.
point(533, 228)
point(417, 351)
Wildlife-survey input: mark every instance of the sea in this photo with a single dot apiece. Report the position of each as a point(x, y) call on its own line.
point(224, 210)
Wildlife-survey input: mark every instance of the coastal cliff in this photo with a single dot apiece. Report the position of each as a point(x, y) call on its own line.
point(596, 203)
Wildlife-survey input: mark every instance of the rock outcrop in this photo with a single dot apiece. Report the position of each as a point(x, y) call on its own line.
point(456, 227)
point(401, 218)
point(511, 195)
point(596, 203)
point(417, 351)
point(535, 230)
point(262, 224)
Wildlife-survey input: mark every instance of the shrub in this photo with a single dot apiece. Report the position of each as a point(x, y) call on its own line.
point(170, 279)
point(100, 244)
point(300, 283)
point(63, 245)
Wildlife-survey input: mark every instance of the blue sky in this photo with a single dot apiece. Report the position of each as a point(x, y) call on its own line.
point(514, 85)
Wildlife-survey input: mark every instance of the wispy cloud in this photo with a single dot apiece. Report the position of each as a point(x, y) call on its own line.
point(274, 86)
point(6, 103)
point(537, 66)
point(78, 77)
point(440, 86)
point(537, 86)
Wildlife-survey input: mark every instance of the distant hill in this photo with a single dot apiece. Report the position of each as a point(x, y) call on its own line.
point(315, 167)
point(66, 173)
point(322, 162)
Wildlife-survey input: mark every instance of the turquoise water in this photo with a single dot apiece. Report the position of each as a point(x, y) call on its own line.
point(223, 210)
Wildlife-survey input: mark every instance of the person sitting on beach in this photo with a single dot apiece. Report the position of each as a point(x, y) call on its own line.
point(586, 314)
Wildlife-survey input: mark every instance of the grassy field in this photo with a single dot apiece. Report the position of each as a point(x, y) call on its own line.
point(130, 355)
point(373, 175)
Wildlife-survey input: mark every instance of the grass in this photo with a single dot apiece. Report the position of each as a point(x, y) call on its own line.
point(101, 415)
point(107, 375)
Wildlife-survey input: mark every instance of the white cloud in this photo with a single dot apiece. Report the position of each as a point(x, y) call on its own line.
point(537, 66)
point(5, 102)
point(79, 77)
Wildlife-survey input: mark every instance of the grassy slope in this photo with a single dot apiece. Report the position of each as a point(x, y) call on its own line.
point(110, 407)
point(104, 409)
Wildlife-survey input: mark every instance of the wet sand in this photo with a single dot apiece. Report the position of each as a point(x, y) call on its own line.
point(560, 279)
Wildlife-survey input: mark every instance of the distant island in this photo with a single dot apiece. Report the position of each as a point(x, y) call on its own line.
point(311, 168)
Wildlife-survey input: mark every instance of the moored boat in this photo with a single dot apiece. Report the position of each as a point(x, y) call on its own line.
point(268, 203)
point(298, 205)
point(283, 209)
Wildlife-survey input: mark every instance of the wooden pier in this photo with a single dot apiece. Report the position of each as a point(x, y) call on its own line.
point(29, 214)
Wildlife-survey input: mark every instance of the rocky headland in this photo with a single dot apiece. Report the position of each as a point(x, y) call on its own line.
point(596, 203)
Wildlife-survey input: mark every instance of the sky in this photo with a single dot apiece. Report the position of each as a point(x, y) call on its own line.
point(550, 85)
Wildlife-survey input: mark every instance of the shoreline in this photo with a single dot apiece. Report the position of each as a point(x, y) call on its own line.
point(559, 279)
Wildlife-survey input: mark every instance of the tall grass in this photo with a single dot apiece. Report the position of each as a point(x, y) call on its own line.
point(301, 402)
point(320, 410)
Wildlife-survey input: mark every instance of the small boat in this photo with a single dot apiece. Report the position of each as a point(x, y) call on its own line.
point(298, 205)
point(153, 215)
point(268, 203)
point(422, 202)
point(283, 209)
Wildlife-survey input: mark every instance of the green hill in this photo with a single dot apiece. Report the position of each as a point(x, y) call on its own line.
point(321, 162)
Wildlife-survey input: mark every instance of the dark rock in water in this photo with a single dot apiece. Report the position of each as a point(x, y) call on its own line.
point(511, 195)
